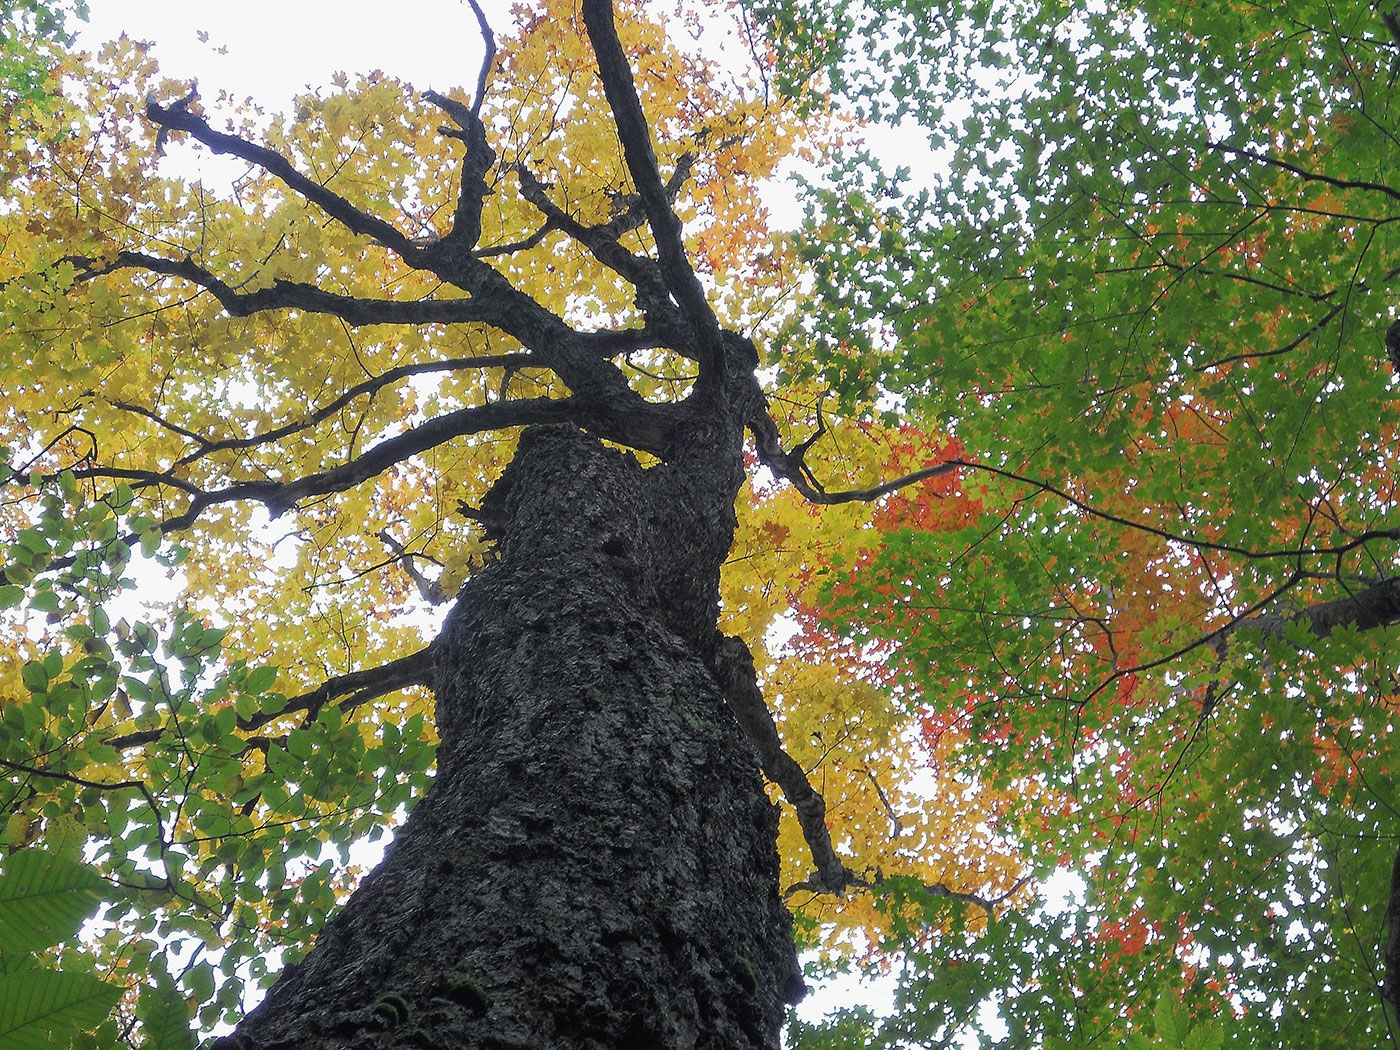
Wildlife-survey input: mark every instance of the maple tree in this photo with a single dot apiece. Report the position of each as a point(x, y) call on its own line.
point(31, 33)
point(1110, 595)
point(1144, 303)
point(395, 368)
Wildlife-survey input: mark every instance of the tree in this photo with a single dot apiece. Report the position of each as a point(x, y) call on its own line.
point(307, 414)
point(1129, 594)
point(30, 33)
point(1150, 301)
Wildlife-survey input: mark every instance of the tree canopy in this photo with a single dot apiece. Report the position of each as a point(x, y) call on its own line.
point(1144, 304)
point(1067, 555)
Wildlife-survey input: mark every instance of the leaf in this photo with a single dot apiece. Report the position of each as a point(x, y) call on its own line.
point(1171, 1021)
point(39, 1007)
point(44, 899)
point(34, 676)
point(1209, 1035)
point(164, 1017)
point(259, 680)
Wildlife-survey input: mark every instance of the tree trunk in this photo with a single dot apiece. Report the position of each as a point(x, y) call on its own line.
point(594, 866)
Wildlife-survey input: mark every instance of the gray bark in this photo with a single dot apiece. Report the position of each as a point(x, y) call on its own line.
point(594, 865)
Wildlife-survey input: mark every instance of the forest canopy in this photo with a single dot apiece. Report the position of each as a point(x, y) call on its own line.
point(1066, 547)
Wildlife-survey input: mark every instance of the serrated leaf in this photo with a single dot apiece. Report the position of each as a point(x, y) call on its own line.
point(259, 680)
point(301, 743)
point(1171, 1021)
point(1209, 1035)
point(34, 677)
point(165, 1019)
point(42, 1009)
point(44, 899)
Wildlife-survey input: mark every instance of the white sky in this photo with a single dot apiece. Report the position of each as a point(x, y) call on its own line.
point(277, 50)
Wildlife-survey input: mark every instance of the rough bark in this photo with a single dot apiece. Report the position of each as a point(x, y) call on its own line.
point(594, 866)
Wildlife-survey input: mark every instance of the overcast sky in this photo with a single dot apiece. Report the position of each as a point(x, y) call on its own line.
point(275, 50)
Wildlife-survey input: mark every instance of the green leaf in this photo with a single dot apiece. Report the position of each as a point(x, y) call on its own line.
point(44, 899)
point(165, 1019)
point(42, 1009)
point(259, 680)
point(34, 677)
point(10, 596)
point(1208, 1035)
point(1171, 1021)
point(301, 743)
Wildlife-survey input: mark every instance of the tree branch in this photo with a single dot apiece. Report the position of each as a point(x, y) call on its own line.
point(176, 118)
point(1366, 610)
point(737, 679)
point(281, 496)
point(293, 295)
point(792, 467)
point(621, 90)
point(1304, 173)
point(618, 412)
point(734, 670)
point(367, 388)
point(358, 687)
point(355, 311)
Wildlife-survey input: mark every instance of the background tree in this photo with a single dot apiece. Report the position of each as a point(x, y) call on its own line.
point(32, 33)
point(299, 401)
point(1148, 300)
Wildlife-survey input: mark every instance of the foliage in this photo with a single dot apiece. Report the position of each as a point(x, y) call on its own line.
point(44, 899)
point(32, 32)
point(1126, 627)
point(230, 530)
point(1141, 284)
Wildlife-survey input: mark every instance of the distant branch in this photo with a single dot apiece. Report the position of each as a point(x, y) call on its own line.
point(1358, 540)
point(281, 496)
point(357, 687)
point(1277, 351)
point(1374, 607)
point(792, 466)
point(1305, 174)
point(495, 415)
point(367, 388)
point(604, 240)
point(617, 412)
point(293, 295)
point(640, 272)
point(512, 313)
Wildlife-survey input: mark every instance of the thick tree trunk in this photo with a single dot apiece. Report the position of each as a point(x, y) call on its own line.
point(594, 866)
